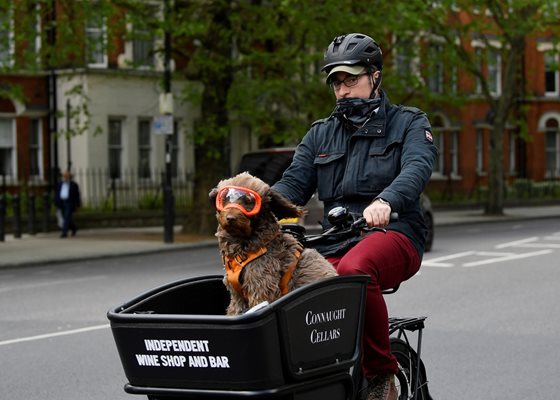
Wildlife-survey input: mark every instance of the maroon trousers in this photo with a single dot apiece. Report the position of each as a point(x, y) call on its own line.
point(389, 259)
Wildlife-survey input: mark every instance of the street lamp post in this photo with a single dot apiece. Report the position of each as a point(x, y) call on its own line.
point(68, 137)
point(168, 200)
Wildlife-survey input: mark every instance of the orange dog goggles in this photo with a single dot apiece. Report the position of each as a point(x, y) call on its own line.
point(246, 200)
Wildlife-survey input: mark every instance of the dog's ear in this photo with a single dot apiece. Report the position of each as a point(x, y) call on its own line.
point(212, 195)
point(281, 207)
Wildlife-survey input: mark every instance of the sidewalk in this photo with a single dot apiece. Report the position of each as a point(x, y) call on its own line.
point(48, 248)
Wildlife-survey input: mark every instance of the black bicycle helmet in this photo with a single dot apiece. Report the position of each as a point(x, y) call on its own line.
point(351, 49)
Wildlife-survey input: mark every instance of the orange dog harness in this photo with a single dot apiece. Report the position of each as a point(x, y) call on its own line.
point(234, 266)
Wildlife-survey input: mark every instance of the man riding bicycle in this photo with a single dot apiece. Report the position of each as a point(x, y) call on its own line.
point(372, 157)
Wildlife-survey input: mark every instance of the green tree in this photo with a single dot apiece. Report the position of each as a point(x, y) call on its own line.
point(503, 28)
point(259, 64)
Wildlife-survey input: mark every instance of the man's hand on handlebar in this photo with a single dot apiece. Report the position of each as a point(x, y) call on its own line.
point(346, 224)
point(377, 214)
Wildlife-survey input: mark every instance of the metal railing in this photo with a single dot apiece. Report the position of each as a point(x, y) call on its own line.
point(131, 190)
point(27, 205)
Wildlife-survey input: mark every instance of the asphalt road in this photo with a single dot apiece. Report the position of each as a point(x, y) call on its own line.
point(490, 292)
point(55, 342)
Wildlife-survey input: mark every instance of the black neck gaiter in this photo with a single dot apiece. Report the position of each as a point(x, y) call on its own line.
point(355, 110)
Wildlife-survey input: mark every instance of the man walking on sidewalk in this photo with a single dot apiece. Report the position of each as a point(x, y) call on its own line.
point(67, 200)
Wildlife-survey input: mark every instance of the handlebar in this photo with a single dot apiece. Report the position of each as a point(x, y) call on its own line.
point(345, 224)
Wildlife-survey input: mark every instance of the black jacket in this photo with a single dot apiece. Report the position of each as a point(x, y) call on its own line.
point(73, 196)
point(391, 157)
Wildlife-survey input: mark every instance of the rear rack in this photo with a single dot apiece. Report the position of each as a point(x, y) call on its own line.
point(409, 323)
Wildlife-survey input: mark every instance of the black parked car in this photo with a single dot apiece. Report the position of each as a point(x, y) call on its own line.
point(269, 165)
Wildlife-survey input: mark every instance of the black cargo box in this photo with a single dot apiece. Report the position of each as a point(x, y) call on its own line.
point(177, 340)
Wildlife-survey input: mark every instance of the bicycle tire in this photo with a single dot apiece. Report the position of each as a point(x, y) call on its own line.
point(405, 378)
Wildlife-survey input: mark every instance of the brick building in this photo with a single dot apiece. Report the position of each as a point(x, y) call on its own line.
point(463, 133)
point(94, 110)
point(122, 107)
point(23, 123)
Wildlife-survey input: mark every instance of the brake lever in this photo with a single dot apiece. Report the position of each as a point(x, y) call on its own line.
point(360, 224)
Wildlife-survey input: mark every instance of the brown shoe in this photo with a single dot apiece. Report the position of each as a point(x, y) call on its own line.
point(382, 387)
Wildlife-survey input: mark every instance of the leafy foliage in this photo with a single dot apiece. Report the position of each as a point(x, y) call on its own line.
point(257, 62)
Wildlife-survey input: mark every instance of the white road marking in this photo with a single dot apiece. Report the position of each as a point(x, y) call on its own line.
point(490, 257)
point(504, 257)
point(436, 262)
point(55, 334)
point(516, 243)
point(530, 243)
point(553, 237)
point(50, 283)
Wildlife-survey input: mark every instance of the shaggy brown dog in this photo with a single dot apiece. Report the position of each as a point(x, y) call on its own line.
point(262, 263)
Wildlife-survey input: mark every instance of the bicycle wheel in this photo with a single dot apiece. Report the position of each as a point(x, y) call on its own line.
point(405, 378)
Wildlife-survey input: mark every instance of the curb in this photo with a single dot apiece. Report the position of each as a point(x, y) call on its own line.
point(127, 253)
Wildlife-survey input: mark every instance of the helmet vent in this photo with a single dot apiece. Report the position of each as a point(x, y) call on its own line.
point(350, 46)
point(370, 50)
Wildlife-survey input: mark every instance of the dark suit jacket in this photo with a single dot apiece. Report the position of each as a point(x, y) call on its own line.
point(73, 196)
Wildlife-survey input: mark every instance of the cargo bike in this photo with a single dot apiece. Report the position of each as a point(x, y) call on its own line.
point(175, 341)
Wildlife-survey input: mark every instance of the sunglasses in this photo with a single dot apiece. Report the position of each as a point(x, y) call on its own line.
point(246, 200)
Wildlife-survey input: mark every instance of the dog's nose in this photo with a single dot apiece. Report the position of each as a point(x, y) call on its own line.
point(230, 218)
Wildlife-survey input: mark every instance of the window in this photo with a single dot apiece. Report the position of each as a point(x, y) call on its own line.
point(143, 52)
point(115, 148)
point(439, 162)
point(446, 138)
point(438, 127)
point(35, 148)
point(480, 151)
point(552, 148)
point(551, 74)
point(96, 40)
point(489, 62)
point(435, 78)
point(405, 57)
point(143, 42)
point(478, 55)
point(6, 39)
point(33, 33)
point(454, 153)
point(144, 149)
point(7, 144)
point(453, 78)
point(494, 72)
